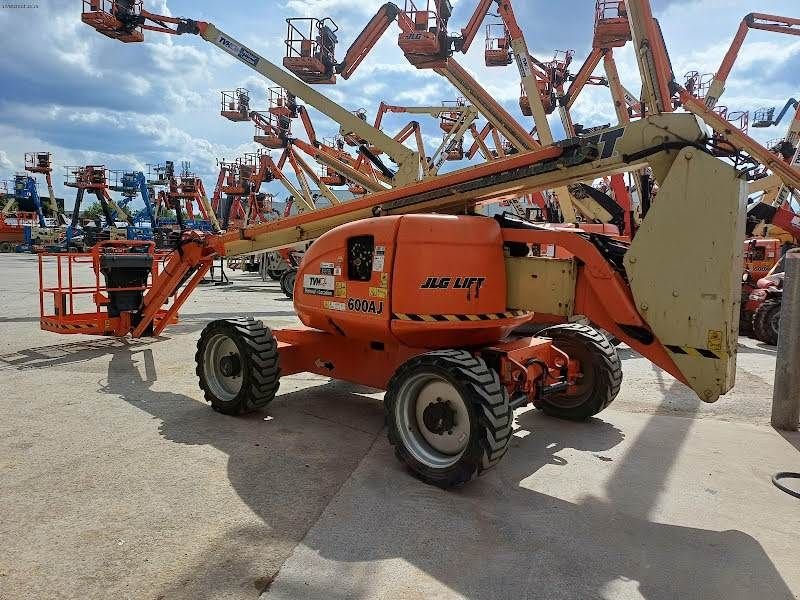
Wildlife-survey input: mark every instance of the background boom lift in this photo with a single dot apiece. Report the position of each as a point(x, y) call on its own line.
point(42, 163)
point(761, 21)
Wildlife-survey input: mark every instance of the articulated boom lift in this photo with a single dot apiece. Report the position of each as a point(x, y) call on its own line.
point(42, 163)
point(765, 117)
point(236, 105)
point(425, 305)
point(774, 23)
point(94, 179)
point(132, 184)
point(184, 191)
point(27, 197)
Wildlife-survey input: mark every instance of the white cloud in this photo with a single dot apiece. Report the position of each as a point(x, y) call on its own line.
point(5, 162)
point(89, 99)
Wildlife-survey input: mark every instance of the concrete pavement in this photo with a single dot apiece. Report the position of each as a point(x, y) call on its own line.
point(117, 480)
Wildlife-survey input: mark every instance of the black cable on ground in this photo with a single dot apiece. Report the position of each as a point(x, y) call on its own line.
point(776, 479)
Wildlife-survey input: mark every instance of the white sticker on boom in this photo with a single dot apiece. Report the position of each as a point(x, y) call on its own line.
point(229, 46)
point(379, 259)
point(319, 285)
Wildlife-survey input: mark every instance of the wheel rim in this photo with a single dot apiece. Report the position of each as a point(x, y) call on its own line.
point(585, 383)
point(433, 420)
point(223, 367)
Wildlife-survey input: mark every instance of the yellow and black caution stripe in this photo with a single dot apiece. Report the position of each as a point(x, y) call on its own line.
point(69, 326)
point(692, 351)
point(458, 318)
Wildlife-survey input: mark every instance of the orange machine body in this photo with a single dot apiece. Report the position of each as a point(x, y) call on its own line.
point(408, 280)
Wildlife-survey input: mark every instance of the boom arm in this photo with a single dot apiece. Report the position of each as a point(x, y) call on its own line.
point(122, 22)
point(526, 72)
point(651, 54)
point(761, 21)
point(377, 26)
point(469, 32)
point(678, 312)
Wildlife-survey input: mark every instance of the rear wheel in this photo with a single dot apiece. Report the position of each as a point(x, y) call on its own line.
point(287, 282)
point(238, 365)
point(601, 372)
point(448, 416)
point(6, 247)
point(275, 274)
point(767, 320)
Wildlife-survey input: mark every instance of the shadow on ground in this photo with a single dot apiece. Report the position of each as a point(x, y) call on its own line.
point(286, 464)
point(491, 539)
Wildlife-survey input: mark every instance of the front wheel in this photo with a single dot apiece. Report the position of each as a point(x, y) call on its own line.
point(448, 416)
point(238, 365)
point(767, 321)
point(600, 378)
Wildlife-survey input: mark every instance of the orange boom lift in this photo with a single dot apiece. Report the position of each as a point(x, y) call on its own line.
point(425, 305)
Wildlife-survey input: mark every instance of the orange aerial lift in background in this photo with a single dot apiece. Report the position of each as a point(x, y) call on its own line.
point(185, 191)
point(94, 178)
point(42, 163)
point(764, 22)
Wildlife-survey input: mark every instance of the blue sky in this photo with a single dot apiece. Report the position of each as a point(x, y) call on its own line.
point(91, 100)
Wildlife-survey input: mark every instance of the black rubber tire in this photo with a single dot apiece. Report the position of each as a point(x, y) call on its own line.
point(746, 324)
point(260, 364)
point(766, 321)
point(487, 404)
point(602, 372)
point(275, 274)
point(287, 282)
point(6, 247)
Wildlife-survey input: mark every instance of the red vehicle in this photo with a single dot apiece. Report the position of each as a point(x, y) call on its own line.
point(12, 229)
point(761, 256)
point(764, 306)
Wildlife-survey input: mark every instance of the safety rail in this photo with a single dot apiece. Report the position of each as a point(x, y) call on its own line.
point(271, 131)
point(698, 84)
point(311, 55)
point(762, 117)
point(281, 102)
point(236, 104)
point(111, 20)
point(451, 119)
point(611, 27)
point(428, 18)
point(67, 313)
point(497, 52)
point(86, 176)
point(38, 162)
point(739, 119)
point(18, 220)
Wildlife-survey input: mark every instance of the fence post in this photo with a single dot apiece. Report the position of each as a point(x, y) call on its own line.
point(786, 391)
